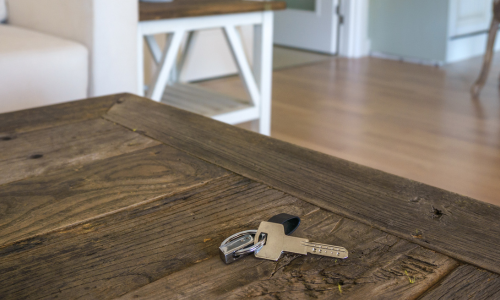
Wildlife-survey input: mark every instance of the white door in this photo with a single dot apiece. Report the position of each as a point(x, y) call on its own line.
point(468, 25)
point(469, 17)
point(308, 24)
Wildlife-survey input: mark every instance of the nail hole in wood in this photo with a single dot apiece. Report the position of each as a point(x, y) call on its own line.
point(6, 138)
point(437, 213)
point(36, 156)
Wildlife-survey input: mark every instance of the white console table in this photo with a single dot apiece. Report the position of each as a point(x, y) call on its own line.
point(181, 20)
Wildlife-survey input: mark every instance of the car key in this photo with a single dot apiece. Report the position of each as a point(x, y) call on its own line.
point(277, 242)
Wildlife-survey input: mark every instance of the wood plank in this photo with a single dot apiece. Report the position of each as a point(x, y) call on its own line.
point(371, 111)
point(38, 152)
point(201, 101)
point(112, 255)
point(71, 195)
point(54, 115)
point(375, 269)
point(458, 226)
point(121, 252)
point(467, 282)
point(194, 8)
point(199, 93)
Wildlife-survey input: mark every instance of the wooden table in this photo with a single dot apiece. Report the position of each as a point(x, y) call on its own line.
point(181, 20)
point(195, 8)
point(122, 197)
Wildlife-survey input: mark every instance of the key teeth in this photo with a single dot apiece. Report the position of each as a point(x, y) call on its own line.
point(334, 251)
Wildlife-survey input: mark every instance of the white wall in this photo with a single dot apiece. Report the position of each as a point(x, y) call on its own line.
point(438, 31)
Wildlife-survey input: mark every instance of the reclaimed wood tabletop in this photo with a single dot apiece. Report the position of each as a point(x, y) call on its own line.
point(193, 8)
point(121, 197)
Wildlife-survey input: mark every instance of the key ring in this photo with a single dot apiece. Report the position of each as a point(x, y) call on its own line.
point(253, 248)
point(237, 235)
point(243, 243)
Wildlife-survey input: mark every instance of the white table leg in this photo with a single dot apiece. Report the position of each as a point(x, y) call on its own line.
point(154, 48)
point(262, 68)
point(162, 75)
point(183, 55)
point(244, 69)
point(140, 63)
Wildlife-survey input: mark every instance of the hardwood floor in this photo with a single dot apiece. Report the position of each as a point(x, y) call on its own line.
point(411, 120)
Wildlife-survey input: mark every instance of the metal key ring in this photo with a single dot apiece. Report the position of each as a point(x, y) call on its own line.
point(253, 248)
point(237, 235)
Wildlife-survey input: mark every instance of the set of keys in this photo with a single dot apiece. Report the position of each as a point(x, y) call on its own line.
point(272, 239)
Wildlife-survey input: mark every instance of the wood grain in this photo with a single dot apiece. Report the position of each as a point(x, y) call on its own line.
point(71, 195)
point(38, 152)
point(458, 226)
point(109, 256)
point(467, 282)
point(375, 269)
point(117, 253)
point(414, 121)
point(193, 8)
point(54, 115)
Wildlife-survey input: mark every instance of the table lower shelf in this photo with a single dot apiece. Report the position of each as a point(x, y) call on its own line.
point(209, 103)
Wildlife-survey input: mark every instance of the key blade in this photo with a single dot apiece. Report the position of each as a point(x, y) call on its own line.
point(295, 245)
point(326, 250)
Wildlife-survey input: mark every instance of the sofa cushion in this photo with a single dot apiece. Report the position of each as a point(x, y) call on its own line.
point(3, 11)
point(38, 69)
point(108, 28)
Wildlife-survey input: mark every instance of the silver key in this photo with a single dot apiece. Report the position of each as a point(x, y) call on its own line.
point(277, 242)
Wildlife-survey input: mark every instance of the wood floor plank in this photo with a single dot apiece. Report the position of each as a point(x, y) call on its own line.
point(467, 282)
point(455, 225)
point(375, 269)
point(71, 195)
point(38, 152)
point(406, 119)
point(54, 115)
point(201, 101)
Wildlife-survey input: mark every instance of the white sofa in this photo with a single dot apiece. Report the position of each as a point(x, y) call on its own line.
point(53, 51)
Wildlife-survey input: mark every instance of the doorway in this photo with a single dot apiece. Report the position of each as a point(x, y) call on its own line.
point(311, 25)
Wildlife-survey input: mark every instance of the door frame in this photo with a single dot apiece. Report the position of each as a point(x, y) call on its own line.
point(352, 35)
point(353, 30)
